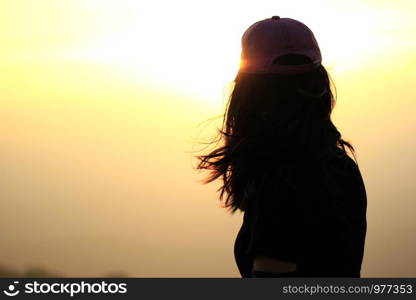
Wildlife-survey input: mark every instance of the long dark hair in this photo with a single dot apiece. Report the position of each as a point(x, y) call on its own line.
point(271, 119)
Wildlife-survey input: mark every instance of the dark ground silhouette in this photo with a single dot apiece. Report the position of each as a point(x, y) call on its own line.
point(42, 272)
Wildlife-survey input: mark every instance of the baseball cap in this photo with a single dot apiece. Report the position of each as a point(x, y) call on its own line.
point(279, 45)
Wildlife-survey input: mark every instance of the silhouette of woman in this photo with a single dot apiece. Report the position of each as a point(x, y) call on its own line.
point(284, 164)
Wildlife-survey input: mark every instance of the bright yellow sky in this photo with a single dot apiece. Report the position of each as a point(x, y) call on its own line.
point(101, 102)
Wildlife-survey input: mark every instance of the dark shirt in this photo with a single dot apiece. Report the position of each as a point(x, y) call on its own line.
point(313, 213)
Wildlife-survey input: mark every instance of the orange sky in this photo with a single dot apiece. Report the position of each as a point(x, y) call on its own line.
point(102, 102)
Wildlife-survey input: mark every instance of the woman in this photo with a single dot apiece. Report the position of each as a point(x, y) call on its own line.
point(284, 163)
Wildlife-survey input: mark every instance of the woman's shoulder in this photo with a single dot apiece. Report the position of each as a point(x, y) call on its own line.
point(332, 160)
point(315, 173)
point(340, 162)
point(341, 171)
point(336, 172)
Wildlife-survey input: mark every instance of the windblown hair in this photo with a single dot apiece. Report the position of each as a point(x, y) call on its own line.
point(271, 119)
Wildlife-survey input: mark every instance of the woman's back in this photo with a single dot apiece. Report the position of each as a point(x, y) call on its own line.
point(313, 213)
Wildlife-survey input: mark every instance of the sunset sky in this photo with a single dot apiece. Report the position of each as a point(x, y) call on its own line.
point(103, 102)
